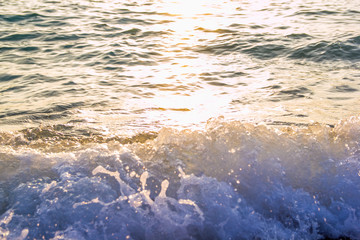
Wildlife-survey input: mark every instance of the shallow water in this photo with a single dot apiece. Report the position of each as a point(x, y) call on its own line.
point(179, 119)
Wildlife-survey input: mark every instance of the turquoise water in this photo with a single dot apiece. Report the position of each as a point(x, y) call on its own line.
point(179, 119)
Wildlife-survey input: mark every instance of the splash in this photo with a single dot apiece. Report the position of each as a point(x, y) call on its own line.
point(231, 180)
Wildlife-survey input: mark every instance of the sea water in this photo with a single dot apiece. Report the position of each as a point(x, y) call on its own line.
point(178, 119)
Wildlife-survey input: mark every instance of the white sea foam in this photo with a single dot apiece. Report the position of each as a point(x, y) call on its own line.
point(230, 181)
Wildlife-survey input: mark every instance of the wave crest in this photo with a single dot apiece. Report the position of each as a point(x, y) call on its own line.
point(230, 180)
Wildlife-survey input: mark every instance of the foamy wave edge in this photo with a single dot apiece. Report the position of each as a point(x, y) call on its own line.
point(232, 180)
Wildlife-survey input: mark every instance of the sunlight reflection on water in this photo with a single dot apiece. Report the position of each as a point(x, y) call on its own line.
point(272, 61)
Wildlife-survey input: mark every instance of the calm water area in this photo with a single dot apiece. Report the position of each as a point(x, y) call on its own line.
point(133, 65)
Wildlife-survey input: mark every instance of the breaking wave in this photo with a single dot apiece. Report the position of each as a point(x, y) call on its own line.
point(232, 180)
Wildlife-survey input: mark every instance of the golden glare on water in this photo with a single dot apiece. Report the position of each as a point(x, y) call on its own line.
point(194, 23)
point(176, 60)
point(190, 8)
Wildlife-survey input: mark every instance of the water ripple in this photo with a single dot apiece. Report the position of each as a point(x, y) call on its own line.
point(19, 37)
point(20, 17)
point(330, 51)
point(250, 55)
point(8, 77)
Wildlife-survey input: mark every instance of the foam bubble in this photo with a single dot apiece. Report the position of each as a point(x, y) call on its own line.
point(231, 180)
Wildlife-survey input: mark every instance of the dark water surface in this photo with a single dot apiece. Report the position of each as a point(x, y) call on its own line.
point(105, 130)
